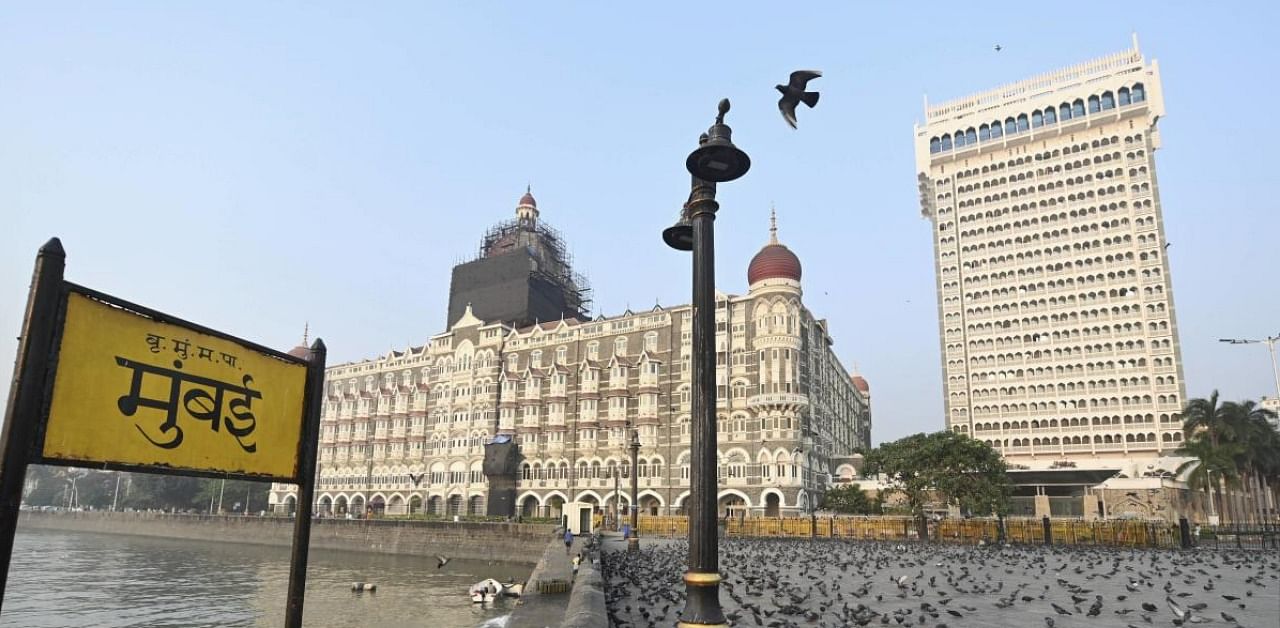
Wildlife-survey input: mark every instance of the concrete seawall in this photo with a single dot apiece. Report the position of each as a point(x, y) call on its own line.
point(506, 542)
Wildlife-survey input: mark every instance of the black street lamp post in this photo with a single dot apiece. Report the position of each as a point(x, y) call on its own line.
point(633, 541)
point(716, 160)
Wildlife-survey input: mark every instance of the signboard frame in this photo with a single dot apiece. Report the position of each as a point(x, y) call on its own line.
point(31, 395)
point(38, 444)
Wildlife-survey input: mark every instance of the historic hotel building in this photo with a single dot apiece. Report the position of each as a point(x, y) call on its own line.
point(1059, 341)
point(405, 432)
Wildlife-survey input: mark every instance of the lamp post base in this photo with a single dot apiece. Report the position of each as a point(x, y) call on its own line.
point(633, 543)
point(702, 606)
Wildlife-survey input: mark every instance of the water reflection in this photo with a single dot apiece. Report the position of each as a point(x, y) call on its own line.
point(61, 579)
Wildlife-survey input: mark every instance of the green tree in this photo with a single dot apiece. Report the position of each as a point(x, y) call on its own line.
point(949, 467)
point(849, 499)
point(1215, 420)
point(1214, 466)
point(1234, 445)
point(1259, 456)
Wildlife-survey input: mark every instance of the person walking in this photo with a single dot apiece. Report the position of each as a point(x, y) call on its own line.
point(568, 540)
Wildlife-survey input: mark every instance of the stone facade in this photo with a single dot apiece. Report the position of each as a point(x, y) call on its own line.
point(405, 432)
point(1056, 316)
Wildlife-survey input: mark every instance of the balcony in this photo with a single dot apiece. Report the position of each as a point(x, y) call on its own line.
point(780, 341)
point(786, 400)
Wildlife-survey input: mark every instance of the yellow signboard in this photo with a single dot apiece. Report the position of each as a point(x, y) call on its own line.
point(132, 390)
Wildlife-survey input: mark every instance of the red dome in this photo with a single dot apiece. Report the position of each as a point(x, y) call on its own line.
point(527, 200)
point(774, 261)
point(861, 384)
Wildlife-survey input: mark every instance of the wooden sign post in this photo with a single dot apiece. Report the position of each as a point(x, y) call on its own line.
point(100, 382)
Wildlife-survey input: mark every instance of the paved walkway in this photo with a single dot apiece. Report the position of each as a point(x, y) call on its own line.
point(546, 595)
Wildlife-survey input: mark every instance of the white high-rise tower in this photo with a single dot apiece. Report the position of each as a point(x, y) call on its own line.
point(1055, 306)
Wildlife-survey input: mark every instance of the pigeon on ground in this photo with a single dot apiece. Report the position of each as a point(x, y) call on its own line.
point(793, 93)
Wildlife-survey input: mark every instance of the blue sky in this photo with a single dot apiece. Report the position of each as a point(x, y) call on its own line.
point(253, 167)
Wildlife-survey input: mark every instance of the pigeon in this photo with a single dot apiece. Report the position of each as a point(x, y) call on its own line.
point(793, 93)
point(999, 47)
point(441, 561)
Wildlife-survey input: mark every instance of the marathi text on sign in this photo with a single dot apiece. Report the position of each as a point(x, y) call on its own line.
point(133, 390)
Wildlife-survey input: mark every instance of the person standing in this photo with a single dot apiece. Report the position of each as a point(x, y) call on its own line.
point(568, 540)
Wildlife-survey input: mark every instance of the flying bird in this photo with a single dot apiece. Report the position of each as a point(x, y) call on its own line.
point(999, 47)
point(793, 93)
point(441, 561)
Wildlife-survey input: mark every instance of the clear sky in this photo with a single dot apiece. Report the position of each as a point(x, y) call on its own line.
point(254, 166)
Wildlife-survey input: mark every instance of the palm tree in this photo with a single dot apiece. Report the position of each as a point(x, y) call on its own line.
point(1232, 441)
point(1213, 466)
point(1219, 422)
point(1259, 456)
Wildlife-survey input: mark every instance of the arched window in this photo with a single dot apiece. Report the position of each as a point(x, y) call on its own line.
point(1010, 126)
point(1095, 105)
point(1108, 100)
point(1064, 111)
point(1077, 108)
point(935, 145)
point(1037, 119)
point(995, 130)
point(1022, 122)
point(946, 142)
point(960, 140)
point(971, 136)
point(1050, 117)
point(1139, 93)
point(1124, 96)
point(984, 133)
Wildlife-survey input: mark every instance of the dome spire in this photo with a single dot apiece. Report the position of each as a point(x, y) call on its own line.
point(773, 224)
point(303, 350)
point(775, 260)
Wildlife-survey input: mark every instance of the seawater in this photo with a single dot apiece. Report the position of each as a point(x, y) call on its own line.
point(74, 579)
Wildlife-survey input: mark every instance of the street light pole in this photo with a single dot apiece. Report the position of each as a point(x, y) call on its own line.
point(716, 160)
point(633, 541)
point(1270, 341)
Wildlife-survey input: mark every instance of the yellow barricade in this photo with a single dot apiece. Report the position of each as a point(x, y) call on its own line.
point(1028, 531)
point(671, 525)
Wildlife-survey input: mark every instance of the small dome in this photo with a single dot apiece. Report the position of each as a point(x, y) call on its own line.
point(774, 261)
point(527, 209)
point(861, 383)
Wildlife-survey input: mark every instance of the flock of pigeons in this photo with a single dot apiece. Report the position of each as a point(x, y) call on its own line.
point(775, 583)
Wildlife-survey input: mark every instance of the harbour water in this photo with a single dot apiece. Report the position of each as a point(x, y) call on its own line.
point(61, 579)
